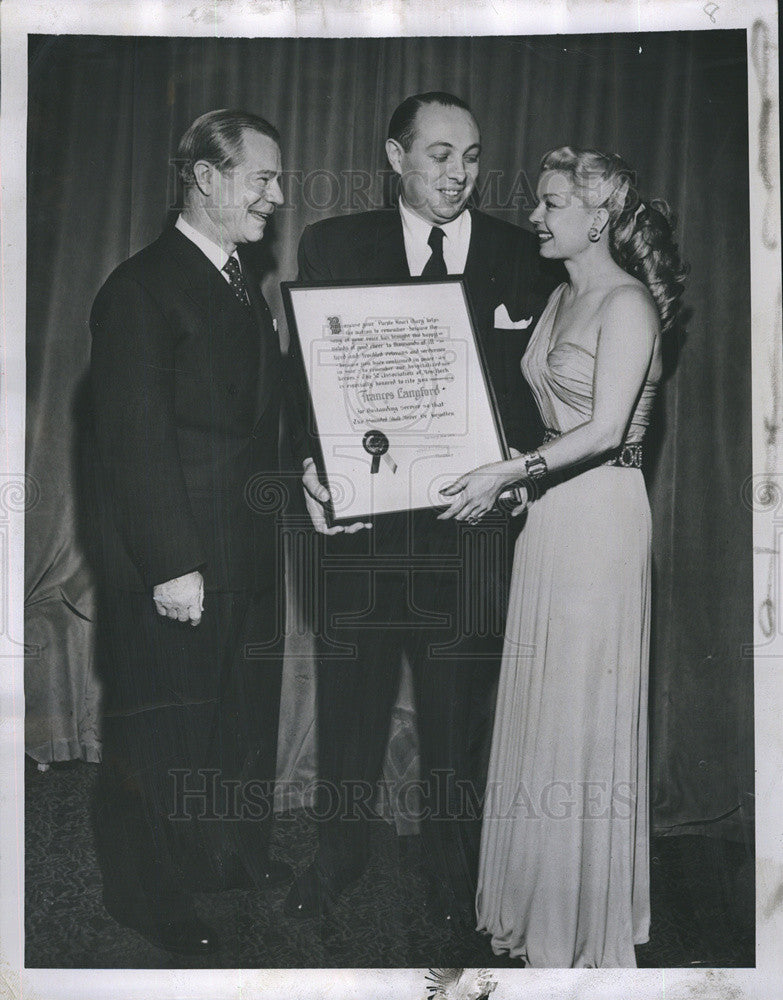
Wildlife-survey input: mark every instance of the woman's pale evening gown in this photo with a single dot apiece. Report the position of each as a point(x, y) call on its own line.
point(564, 866)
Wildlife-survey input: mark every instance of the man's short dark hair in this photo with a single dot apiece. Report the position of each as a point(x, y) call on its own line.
point(402, 126)
point(217, 138)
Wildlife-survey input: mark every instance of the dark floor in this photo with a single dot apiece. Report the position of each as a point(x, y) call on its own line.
point(702, 902)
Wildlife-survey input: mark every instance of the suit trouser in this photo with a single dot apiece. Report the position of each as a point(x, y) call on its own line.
point(436, 591)
point(186, 709)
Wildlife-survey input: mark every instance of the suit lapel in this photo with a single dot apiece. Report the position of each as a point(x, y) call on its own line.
point(204, 284)
point(213, 296)
point(386, 259)
point(268, 342)
point(480, 266)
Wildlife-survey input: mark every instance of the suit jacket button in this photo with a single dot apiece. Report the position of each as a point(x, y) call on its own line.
point(233, 389)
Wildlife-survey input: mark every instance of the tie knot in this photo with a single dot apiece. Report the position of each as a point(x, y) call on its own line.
point(435, 241)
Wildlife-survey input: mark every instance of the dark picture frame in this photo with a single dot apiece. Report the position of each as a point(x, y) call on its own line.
point(376, 444)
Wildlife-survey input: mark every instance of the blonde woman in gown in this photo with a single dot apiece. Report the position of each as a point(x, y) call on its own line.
point(563, 875)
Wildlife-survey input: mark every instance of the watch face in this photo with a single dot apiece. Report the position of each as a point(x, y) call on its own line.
point(536, 466)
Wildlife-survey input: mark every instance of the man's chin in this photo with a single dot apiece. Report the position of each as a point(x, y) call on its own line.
point(255, 231)
point(450, 213)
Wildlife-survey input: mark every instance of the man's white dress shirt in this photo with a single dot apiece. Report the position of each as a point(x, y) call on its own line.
point(416, 232)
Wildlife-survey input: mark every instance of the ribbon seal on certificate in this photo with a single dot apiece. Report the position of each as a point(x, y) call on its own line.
point(377, 444)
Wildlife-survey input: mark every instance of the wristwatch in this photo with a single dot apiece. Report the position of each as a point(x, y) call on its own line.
point(536, 471)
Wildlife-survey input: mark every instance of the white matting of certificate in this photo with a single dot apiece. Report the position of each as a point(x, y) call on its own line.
point(400, 399)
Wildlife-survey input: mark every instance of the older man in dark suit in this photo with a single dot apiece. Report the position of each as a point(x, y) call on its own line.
point(405, 585)
point(186, 377)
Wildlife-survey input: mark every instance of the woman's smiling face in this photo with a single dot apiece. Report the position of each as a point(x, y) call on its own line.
point(561, 218)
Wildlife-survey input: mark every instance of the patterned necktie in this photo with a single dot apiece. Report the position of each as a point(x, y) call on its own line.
point(237, 282)
point(436, 265)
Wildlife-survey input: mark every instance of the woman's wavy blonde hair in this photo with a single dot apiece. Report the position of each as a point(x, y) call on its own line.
point(641, 233)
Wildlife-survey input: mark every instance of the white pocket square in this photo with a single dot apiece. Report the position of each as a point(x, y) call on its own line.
point(504, 322)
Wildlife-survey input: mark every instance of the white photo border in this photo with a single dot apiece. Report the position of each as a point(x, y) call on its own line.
point(342, 18)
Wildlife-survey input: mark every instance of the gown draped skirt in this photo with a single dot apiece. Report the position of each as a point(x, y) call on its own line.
point(564, 864)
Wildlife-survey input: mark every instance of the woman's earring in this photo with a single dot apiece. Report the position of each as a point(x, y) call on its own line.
point(593, 235)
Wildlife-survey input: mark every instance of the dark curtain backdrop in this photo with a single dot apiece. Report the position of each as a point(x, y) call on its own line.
point(105, 115)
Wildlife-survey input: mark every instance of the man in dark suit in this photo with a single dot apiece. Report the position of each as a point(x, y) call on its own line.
point(186, 379)
point(405, 585)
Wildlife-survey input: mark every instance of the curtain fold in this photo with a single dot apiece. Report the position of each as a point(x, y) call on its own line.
point(104, 118)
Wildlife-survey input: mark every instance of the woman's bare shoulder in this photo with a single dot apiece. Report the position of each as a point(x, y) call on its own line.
point(629, 296)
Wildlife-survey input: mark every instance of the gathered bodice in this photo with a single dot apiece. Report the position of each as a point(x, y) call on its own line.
point(561, 379)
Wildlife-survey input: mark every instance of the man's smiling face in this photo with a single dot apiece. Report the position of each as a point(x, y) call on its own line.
point(244, 196)
point(439, 171)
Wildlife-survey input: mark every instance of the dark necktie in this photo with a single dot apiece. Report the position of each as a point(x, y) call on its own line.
point(436, 265)
point(237, 282)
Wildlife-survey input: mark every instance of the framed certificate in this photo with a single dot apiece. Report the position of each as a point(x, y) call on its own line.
point(400, 397)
